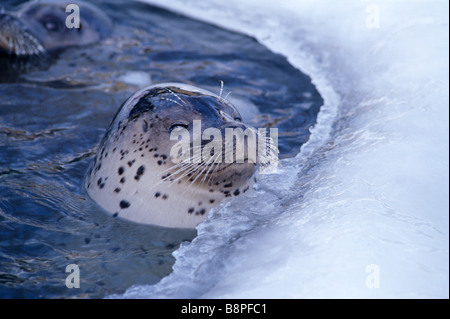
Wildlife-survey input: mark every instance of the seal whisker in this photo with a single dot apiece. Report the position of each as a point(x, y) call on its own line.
point(216, 168)
point(187, 169)
point(182, 163)
point(183, 168)
point(179, 168)
point(173, 101)
point(203, 166)
point(192, 166)
point(271, 148)
point(212, 173)
point(191, 170)
point(209, 170)
point(226, 96)
point(221, 88)
point(194, 170)
point(269, 154)
point(177, 96)
point(186, 161)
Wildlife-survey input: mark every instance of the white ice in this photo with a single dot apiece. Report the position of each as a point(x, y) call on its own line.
point(362, 211)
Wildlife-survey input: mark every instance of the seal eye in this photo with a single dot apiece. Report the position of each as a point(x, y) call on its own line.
point(238, 119)
point(178, 126)
point(50, 25)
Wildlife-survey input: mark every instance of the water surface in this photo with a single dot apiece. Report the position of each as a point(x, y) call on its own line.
point(54, 113)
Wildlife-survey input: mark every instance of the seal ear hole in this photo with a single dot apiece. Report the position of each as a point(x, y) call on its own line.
point(145, 126)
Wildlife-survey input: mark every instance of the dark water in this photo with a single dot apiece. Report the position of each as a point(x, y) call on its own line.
point(53, 115)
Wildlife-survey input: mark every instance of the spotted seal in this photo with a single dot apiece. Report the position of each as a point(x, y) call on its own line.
point(40, 26)
point(136, 175)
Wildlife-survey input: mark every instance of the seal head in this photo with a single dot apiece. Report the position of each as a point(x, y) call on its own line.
point(38, 27)
point(141, 172)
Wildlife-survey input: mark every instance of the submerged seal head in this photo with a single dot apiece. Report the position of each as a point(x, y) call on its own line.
point(139, 172)
point(40, 26)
